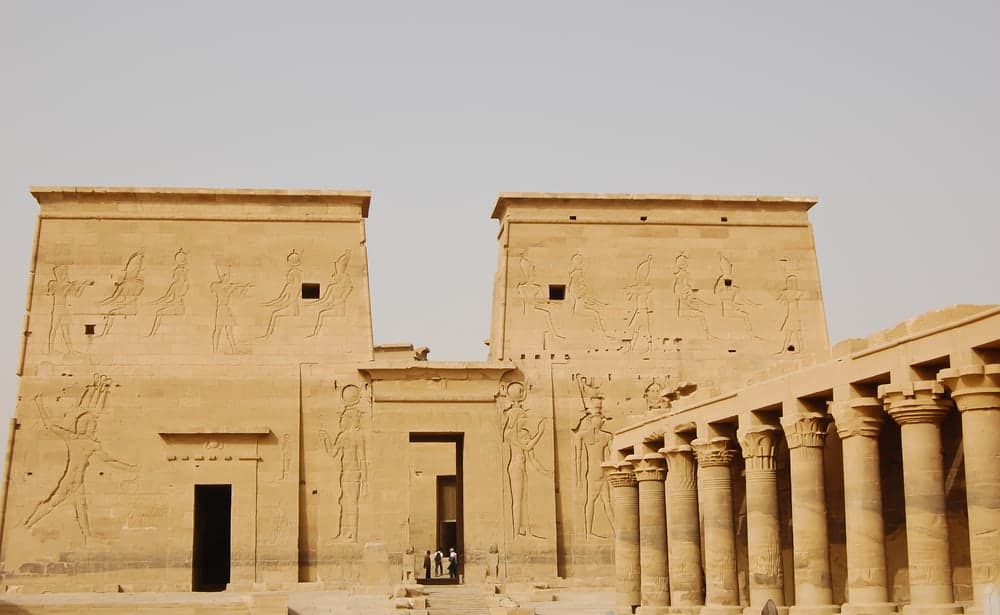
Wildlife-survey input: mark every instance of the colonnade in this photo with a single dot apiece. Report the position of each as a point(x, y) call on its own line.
point(664, 564)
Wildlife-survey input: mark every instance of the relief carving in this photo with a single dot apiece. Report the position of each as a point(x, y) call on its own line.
point(61, 289)
point(335, 296)
point(172, 301)
point(689, 305)
point(124, 299)
point(288, 301)
point(660, 397)
point(347, 449)
point(591, 448)
point(225, 321)
point(77, 427)
point(580, 295)
point(791, 324)
point(533, 296)
point(640, 320)
point(519, 439)
point(733, 302)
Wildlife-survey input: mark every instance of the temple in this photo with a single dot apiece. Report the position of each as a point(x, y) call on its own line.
point(202, 407)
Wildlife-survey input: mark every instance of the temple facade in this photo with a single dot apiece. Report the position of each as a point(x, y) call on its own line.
point(202, 407)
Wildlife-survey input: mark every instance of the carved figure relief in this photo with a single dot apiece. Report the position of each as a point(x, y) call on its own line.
point(660, 397)
point(689, 305)
point(61, 289)
point(337, 291)
point(580, 295)
point(591, 444)
point(288, 301)
point(519, 439)
point(733, 302)
point(123, 300)
point(347, 449)
point(791, 324)
point(78, 430)
point(225, 322)
point(172, 301)
point(533, 296)
point(640, 320)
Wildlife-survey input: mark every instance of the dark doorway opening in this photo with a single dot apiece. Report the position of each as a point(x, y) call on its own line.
point(211, 552)
point(448, 515)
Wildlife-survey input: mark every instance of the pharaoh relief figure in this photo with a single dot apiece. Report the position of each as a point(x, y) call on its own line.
point(288, 301)
point(689, 305)
point(791, 324)
point(124, 299)
point(581, 297)
point(591, 448)
point(733, 302)
point(172, 301)
point(77, 428)
point(347, 449)
point(533, 296)
point(519, 439)
point(334, 298)
point(640, 319)
point(225, 321)
point(62, 289)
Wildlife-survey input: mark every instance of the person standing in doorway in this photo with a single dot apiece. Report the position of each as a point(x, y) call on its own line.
point(427, 565)
point(452, 563)
point(438, 568)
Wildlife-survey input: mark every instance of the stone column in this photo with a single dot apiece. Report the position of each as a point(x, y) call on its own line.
point(806, 435)
point(919, 407)
point(859, 421)
point(683, 529)
point(975, 389)
point(722, 595)
point(625, 504)
point(763, 523)
point(650, 472)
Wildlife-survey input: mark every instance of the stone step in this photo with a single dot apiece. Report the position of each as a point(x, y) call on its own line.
point(456, 601)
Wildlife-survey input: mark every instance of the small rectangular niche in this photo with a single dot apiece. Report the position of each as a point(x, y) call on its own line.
point(642, 218)
point(572, 217)
point(727, 281)
point(557, 292)
point(89, 329)
point(310, 290)
point(724, 219)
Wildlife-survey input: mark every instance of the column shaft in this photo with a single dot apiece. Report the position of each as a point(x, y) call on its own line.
point(650, 472)
point(716, 487)
point(806, 435)
point(625, 504)
point(975, 389)
point(683, 528)
point(859, 421)
point(763, 523)
point(919, 407)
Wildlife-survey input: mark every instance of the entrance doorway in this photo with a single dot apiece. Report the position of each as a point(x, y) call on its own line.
point(211, 552)
point(436, 498)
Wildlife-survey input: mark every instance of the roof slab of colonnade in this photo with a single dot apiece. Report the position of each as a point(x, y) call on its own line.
point(912, 351)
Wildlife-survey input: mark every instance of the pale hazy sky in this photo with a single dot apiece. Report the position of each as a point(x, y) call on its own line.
point(889, 112)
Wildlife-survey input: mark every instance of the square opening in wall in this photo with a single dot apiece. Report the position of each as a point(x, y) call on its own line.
point(89, 329)
point(557, 292)
point(310, 290)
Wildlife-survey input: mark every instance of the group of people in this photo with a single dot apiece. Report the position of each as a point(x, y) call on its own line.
point(438, 558)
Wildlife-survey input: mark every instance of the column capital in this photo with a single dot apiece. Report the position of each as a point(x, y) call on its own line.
point(619, 473)
point(713, 451)
point(651, 466)
point(805, 430)
point(759, 443)
point(915, 401)
point(858, 416)
point(973, 387)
